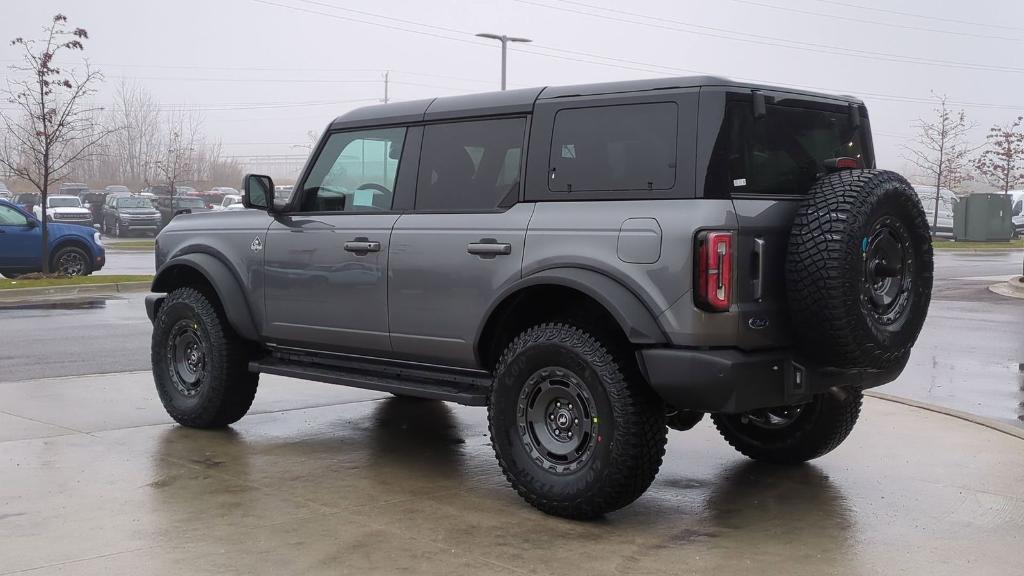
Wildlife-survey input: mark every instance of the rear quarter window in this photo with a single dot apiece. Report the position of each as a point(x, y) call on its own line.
point(621, 147)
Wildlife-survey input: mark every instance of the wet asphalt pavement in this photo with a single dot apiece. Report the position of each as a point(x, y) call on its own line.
point(968, 357)
point(128, 262)
point(95, 479)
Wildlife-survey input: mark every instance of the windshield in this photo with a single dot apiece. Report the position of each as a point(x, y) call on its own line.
point(190, 203)
point(782, 153)
point(64, 202)
point(133, 203)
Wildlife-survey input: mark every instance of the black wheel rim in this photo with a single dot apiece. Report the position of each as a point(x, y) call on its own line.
point(557, 420)
point(186, 356)
point(772, 418)
point(888, 271)
point(71, 263)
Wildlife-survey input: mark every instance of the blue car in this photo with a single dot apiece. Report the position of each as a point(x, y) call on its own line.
point(74, 250)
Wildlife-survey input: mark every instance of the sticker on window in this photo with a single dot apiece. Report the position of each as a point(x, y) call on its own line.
point(739, 182)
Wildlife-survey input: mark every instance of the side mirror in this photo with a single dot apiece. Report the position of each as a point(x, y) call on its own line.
point(33, 223)
point(258, 192)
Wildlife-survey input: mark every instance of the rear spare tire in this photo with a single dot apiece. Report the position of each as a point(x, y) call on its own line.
point(859, 270)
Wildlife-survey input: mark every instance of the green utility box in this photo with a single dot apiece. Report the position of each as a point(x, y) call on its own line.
point(983, 218)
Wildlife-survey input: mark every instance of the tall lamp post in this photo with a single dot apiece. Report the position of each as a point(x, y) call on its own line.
point(504, 48)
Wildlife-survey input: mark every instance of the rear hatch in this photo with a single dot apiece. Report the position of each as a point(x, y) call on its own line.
point(765, 155)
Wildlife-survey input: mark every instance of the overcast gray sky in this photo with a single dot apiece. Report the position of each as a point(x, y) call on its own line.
point(265, 72)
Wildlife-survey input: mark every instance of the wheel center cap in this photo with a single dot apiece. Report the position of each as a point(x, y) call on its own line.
point(563, 420)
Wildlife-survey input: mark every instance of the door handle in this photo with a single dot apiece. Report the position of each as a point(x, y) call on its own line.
point(362, 246)
point(490, 249)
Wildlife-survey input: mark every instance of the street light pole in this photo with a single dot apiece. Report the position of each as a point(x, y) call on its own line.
point(504, 49)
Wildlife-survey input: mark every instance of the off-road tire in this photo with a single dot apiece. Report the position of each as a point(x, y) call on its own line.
point(228, 388)
point(821, 426)
point(66, 250)
point(827, 278)
point(629, 437)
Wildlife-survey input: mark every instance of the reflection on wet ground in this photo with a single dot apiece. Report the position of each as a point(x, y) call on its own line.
point(91, 303)
point(968, 357)
point(382, 485)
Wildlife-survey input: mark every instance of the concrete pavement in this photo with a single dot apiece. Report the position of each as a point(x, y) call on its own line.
point(324, 480)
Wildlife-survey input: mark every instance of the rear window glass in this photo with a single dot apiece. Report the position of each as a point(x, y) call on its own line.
point(783, 152)
point(64, 202)
point(627, 147)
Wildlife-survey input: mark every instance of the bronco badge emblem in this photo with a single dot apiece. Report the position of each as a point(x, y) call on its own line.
point(256, 245)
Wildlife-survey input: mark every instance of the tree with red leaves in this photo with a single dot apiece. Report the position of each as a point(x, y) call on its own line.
point(53, 124)
point(1002, 162)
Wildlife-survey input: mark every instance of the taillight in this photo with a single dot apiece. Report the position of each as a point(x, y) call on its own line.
point(844, 163)
point(714, 271)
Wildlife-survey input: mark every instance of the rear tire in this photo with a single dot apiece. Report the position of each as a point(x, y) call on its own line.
point(574, 427)
point(793, 434)
point(200, 366)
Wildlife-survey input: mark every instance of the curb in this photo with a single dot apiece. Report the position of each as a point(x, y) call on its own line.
point(22, 294)
point(996, 425)
point(1014, 287)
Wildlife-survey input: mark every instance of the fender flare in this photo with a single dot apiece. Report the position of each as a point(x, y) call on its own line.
point(637, 322)
point(224, 282)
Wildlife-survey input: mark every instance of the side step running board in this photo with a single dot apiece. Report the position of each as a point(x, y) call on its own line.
point(456, 389)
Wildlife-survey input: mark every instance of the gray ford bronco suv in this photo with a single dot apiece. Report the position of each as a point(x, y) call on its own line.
point(594, 264)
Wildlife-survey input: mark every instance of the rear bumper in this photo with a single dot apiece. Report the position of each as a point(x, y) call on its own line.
point(733, 381)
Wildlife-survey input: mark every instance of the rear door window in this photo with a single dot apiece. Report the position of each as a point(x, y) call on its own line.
point(470, 166)
point(624, 147)
point(782, 153)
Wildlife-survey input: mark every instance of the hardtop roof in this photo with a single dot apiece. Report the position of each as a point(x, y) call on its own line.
point(522, 100)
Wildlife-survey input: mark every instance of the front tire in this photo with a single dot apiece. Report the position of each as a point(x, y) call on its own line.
point(200, 366)
point(71, 261)
point(574, 428)
point(793, 434)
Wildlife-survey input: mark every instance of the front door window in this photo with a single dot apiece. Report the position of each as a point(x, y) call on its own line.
point(355, 172)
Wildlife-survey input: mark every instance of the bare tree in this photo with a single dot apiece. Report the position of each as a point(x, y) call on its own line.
point(136, 142)
point(1002, 162)
point(175, 165)
point(941, 151)
point(54, 126)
